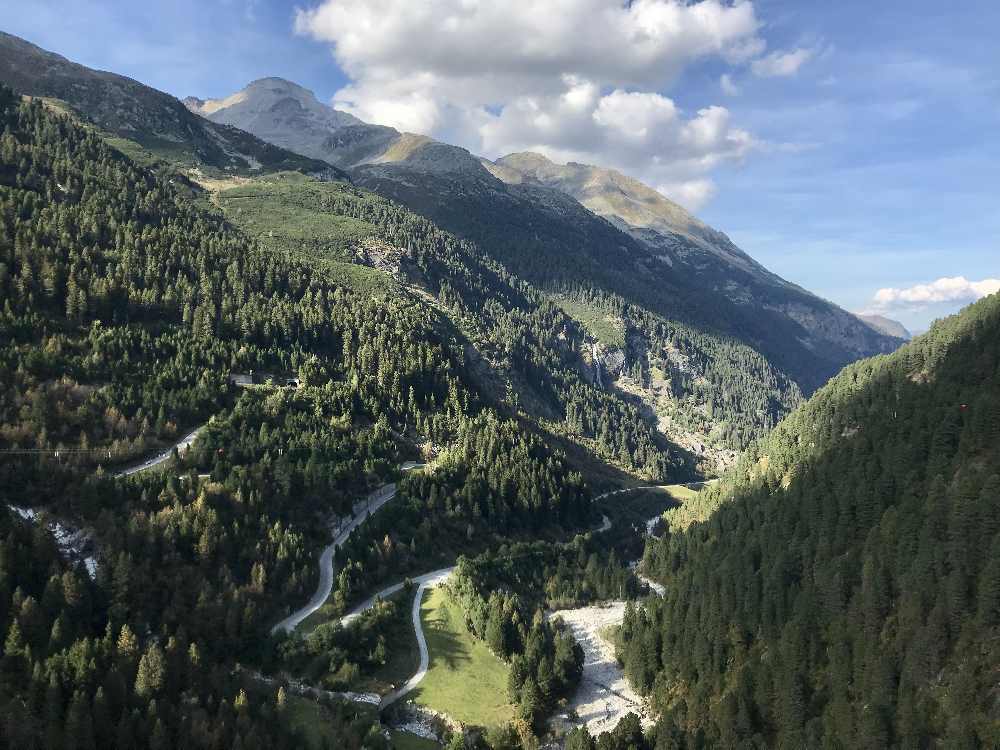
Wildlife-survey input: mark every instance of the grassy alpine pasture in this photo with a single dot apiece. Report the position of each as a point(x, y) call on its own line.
point(286, 213)
point(606, 328)
point(464, 679)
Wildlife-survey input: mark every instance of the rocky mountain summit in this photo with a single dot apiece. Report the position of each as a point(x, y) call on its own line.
point(290, 116)
point(627, 203)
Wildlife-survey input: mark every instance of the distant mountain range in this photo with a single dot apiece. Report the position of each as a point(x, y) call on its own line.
point(678, 265)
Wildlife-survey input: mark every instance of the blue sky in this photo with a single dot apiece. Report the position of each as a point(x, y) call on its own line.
point(870, 163)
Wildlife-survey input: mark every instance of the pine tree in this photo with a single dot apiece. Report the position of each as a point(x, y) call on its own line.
point(150, 678)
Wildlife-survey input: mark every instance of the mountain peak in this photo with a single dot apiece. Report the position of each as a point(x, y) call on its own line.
point(268, 94)
point(526, 160)
point(279, 111)
point(276, 82)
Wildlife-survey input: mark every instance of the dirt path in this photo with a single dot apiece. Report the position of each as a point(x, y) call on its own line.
point(183, 444)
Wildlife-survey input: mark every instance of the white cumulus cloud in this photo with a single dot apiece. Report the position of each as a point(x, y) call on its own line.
point(574, 79)
point(728, 86)
point(956, 289)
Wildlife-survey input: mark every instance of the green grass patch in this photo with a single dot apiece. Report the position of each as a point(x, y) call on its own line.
point(464, 679)
point(324, 614)
point(289, 213)
point(407, 741)
point(680, 492)
point(606, 328)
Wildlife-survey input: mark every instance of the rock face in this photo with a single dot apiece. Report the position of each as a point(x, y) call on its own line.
point(887, 326)
point(685, 243)
point(282, 113)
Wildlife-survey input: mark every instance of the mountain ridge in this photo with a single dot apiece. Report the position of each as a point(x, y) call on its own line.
point(886, 325)
point(133, 111)
point(403, 166)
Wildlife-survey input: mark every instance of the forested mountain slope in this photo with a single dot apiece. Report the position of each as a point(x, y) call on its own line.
point(841, 587)
point(706, 393)
point(155, 121)
point(526, 352)
point(125, 309)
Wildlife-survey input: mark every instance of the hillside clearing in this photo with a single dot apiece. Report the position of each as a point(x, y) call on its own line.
point(464, 680)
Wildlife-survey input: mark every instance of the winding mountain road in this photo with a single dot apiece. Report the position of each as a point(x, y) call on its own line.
point(362, 509)
point(429, 580)
point(183, 444)
point(426, 581)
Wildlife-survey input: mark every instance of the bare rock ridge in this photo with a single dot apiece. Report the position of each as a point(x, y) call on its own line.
point(624, 201)
point(886, 325)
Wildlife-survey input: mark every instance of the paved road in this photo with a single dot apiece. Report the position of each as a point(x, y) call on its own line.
point(361, 510)
point(388, 591)
point(430, 580)
point(623, 490)
point(183, 444)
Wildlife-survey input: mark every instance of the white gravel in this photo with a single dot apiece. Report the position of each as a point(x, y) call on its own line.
point(604, 695)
